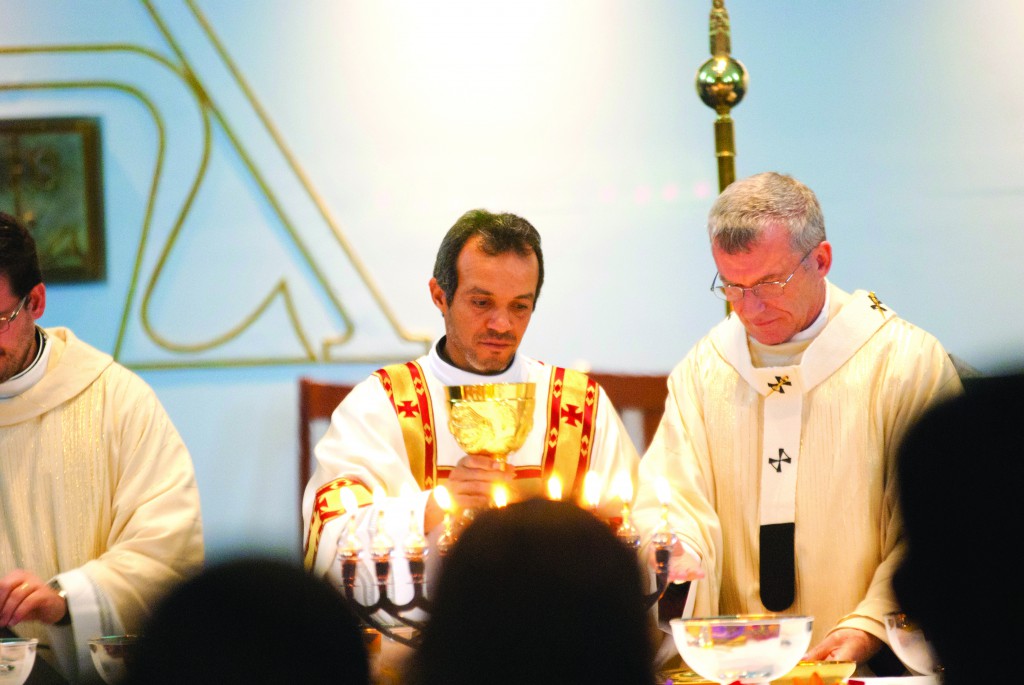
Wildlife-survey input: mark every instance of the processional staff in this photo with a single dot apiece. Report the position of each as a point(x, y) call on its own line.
point(722, 83)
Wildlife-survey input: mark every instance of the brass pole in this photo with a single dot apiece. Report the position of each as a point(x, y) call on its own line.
point(721, 83)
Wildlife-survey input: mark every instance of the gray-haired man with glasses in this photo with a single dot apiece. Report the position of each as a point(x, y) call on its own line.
point(781, 426)
point(99, 512)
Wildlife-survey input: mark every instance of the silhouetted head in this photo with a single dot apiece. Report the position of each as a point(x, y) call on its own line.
point(538, 592)
point(959, 475)
point(252, 621)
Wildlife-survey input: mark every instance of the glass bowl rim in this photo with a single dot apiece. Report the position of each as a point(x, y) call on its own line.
point(742, 619)
point(114, 639)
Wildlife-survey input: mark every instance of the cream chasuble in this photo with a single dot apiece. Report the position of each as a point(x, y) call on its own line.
point(837, 416)
point(783, 389)
point(98, 491)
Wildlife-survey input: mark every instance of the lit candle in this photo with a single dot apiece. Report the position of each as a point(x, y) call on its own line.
point(663, 539)
point(415, 544)
point(444, 500)
point(626, 532)
point(554, 487)
point(623, 488)
point(351, 547)
point(382, 543)
point(499, 493)
point(664, 493)
point(592, 491)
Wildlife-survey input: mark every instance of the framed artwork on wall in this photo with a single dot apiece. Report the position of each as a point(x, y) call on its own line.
point(51, 179)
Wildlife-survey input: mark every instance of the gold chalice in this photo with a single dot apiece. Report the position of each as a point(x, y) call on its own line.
point(491, 419)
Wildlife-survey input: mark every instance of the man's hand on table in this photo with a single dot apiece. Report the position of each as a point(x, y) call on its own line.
point(471, 484)
point(845, 644)
point(26, 597)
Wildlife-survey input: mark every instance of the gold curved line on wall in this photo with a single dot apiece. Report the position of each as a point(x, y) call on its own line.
point(256, 361)
point(98, 47)
point(161, 141)
point(206, 105)
point(301, 175)
point(307, 184)
point(157, 170)
point(281, 288)
point(209, 104)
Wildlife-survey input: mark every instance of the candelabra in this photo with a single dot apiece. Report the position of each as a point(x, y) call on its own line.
point(388, 616)
point(492, 420)
point(350, 553)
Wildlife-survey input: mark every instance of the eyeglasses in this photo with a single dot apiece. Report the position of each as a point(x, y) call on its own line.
point(768, 290)
point(5, 321)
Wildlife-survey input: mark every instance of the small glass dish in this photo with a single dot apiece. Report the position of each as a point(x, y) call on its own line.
point(907, 640)
point(17, 656)
point(112, 655)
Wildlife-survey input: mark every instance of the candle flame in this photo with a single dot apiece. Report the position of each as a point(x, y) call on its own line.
point(624, 487)
point(348, 499)
point(554, 487)
point(592, 489)
point(443, 498)
point(662, 489)
point(500, 495)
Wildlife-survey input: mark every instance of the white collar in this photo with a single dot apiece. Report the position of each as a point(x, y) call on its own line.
point(818, 325)
point(858, 320)
point(15, 385)
point(517, 371)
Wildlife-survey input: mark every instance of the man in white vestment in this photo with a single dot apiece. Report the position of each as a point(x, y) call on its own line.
point(99, 511)
point(390, 435)
point(781, 425)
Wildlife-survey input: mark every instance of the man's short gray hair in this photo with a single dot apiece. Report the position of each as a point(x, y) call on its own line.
point(750, 206)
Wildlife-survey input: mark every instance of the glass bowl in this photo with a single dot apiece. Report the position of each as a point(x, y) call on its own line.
point(112, 656)
point(17, 656)
point(908, 642)
point(745, 648)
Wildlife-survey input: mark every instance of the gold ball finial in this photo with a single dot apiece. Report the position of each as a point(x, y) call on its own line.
point(722, 82)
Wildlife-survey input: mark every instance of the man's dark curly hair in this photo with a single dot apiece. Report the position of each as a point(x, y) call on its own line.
point(501, 233)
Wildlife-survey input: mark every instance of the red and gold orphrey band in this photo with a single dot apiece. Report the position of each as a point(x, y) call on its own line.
point(407, 390)
point(328, 506)
point(572, 405)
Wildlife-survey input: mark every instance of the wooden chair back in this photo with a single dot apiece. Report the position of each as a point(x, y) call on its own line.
point(317, 401)
point(636, 397)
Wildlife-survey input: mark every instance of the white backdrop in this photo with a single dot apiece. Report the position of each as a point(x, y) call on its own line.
point(906, 118)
